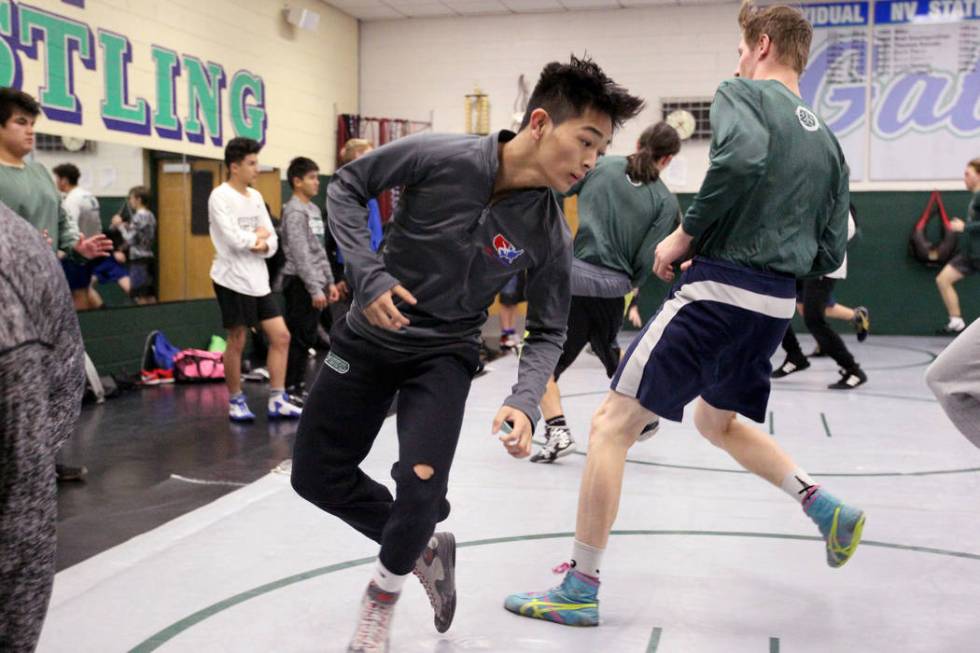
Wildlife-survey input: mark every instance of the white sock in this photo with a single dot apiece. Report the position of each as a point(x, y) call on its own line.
point(387, 580)
point(275, 393)
point(956, 322)
point(796, 484)
point(586, 559)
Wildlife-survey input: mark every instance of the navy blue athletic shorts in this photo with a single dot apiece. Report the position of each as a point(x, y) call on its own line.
point(713, 337)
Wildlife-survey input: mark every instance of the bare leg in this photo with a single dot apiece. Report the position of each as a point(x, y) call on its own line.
point(94, 298)
point(125, 284)
point(551, 401)
point(749, 446)
point(615, 427)
point(944, 281)
point(233, 359)
point(80, 299)
point(840, 312)
point(278, 335)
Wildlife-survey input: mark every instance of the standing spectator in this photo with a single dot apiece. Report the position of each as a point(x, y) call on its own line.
point(967, 261)
point(243, 237)
point(82, 207)
point(26, 188)
point(140, 235)
point(305, 280)
point(41, 382)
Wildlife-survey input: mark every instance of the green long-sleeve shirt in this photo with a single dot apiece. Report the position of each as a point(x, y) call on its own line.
point(621, 222)
point(970, 240)
point(30, 192)
point(775, 196)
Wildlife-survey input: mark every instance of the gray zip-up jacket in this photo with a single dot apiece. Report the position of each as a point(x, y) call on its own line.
point(305, 256)
point(454, 250)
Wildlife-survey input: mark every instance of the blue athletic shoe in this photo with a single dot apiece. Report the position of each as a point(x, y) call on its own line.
point(573, 603)
point(840, 525)
point(282, 407)
point(238, 410)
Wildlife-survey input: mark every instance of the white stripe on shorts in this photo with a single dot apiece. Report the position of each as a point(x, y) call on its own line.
point(699, 291)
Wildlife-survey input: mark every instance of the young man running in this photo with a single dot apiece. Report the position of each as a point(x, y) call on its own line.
point(761, 218)
point(967, 260)
point(474, 211)
point(815, 298)
point(243, 237)
point(624, 210)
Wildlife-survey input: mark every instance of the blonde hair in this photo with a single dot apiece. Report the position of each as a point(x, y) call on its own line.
point(354, 147)
point(785, 26)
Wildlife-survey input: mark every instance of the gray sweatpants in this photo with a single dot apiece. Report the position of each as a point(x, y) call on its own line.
point(954, 378)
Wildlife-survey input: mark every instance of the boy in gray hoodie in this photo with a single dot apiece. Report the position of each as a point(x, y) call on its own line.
point(305, 280)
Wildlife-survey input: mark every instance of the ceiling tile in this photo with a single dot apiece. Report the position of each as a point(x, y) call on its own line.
point(477, 7)
point(646, 3)
point(419, 8)
point(531, 6)
point(590, 4)
point(365, 9)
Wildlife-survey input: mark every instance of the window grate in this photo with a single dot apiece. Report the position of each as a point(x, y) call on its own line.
point(54, 143)
point(700, 108)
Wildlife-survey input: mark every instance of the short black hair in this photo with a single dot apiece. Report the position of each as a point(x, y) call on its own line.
point(567, 90)
point(12, 98)
point(238, 148)
point(67, 171)
point(299, 168)
point(142, 193)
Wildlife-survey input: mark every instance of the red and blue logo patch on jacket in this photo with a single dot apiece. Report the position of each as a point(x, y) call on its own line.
point(506, 252)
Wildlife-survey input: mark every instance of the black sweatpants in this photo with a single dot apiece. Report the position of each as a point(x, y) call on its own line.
point(301, 320)
point(344, 412)
point(816, 294)
point(596, 321)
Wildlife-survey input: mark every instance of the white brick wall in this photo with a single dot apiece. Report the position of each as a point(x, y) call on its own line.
point(411, 67)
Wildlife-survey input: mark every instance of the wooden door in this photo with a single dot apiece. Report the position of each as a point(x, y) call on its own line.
point(186, 251)
point(173, 209)
point(270, 186)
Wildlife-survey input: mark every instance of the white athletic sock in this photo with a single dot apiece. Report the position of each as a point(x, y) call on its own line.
point(956, 323)
point(386, 580)
point(796, 484)
point(275, 393)
point(586, 559)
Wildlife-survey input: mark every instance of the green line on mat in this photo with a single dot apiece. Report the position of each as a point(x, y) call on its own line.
point(773, 645)
point(772, 424)
point(163, 636)
point(826, 426)
point(654, 639)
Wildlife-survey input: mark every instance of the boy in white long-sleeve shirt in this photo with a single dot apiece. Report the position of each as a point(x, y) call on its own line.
point(243, 237)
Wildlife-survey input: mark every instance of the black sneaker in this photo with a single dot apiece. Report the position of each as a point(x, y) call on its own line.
point(950, 331)
point(297, 395)
point(69, 474)
point(849, 379)
point(436, 569)
point(862, 322)
point(558, 442)
point(790, 367)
